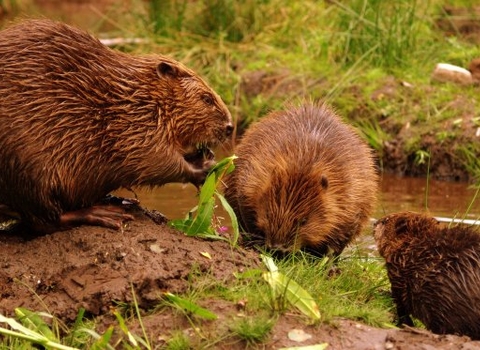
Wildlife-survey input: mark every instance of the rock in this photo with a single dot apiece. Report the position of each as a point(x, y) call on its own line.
point(445, 72)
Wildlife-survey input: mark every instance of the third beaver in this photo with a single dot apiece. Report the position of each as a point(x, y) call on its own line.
point(303, 180)
point(78, 120)
point(434, 272)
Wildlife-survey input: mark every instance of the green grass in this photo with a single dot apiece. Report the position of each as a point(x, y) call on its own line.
point(355, 287)
point(346, 52)
point(252, 329)
point(370, 59)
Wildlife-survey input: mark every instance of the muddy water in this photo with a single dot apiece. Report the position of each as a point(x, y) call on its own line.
point(445, 199)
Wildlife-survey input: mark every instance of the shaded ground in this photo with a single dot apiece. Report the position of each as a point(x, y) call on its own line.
point(93, 268)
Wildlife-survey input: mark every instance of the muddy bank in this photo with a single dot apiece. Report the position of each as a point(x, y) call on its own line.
point(93, 267)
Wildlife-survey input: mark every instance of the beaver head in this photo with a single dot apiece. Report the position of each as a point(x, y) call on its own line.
point(201, 123)
point(393, 230)
point(292, 212)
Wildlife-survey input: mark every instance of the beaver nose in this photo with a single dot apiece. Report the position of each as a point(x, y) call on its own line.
point(229, 129)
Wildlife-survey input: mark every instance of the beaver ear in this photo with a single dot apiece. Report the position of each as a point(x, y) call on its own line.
point(165, 68)
point(324, 182)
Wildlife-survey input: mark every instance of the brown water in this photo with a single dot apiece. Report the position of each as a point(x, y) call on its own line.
point(445, 199)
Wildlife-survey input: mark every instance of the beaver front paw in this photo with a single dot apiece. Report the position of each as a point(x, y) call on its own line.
point(201, 161)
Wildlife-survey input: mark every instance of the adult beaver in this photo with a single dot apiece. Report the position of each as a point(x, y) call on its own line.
point(434, 272)
point(303, 180)
point(79, 120)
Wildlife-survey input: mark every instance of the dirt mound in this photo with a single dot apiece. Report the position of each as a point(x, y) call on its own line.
point(93, 267)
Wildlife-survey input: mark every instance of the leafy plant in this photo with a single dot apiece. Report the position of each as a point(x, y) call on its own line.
point(287, 288)
point(200, 220)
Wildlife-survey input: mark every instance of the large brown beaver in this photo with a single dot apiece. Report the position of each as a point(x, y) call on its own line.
point(303, 180)
point(78, 120)
point(434, 272)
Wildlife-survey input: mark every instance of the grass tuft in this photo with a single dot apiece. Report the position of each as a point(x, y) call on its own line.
point(252, 329)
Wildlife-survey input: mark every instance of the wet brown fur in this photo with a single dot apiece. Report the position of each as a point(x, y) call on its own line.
point(78, 120)
point(434, 272)
point(303, 180)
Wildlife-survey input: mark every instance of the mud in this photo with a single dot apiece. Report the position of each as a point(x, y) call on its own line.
point(94, 268)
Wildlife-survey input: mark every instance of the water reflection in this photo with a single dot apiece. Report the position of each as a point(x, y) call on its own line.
point(447, 199)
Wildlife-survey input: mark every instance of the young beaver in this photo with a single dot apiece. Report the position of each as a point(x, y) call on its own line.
point(79, 120)
point(303, 180)
point(434, 272)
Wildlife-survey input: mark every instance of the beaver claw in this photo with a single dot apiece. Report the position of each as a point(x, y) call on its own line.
point(109, 216)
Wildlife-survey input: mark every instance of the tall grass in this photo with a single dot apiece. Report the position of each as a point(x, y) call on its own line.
point(385, 33)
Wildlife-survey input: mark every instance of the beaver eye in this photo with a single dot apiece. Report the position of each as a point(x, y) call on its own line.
point(207, 99)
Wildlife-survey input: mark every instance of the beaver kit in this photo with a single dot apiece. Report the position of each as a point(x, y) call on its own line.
point(79, 120)
point(303, 180)
point(434, 272)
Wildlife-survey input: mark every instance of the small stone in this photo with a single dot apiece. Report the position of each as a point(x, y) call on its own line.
point(298, 335)
point(445, 72)
point(156, 249)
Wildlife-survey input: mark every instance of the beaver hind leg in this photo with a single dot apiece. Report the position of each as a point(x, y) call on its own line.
point(110, 216)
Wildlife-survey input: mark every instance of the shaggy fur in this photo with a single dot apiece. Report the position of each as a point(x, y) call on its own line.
point(303, 180)
point(78, 120)
point(434, 272)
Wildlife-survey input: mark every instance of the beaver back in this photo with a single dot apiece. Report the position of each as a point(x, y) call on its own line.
point(303, 179)
point(434, 272)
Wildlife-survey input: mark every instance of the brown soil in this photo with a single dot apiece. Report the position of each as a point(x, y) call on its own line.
point(94, 268)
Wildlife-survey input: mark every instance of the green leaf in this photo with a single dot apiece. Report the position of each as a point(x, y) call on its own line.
point(203, 221)
point(226, 165)
point(233, 218)
point(33, 321)
point(102, 342)
point(124, 328)
point(252, 273)
point(190, 307)
point(25, 333)
point(199, 220)
point(293, 292)
point(208, 189)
